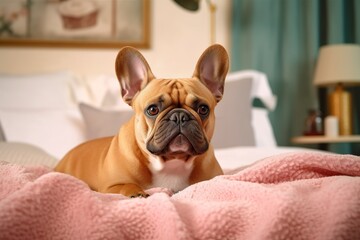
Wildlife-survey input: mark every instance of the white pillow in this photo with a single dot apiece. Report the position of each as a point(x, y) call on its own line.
point(103, 122)
point(25, 154)
point(263, 131)
point(237, 124)
point(104, 90)
point(43, 91)
point(233, 115)
point(55, 131)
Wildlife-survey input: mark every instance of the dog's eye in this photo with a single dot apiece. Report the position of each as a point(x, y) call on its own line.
point(152, 110)
point(203, 110)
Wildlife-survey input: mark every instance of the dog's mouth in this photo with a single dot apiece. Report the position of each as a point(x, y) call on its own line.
point(178, 148)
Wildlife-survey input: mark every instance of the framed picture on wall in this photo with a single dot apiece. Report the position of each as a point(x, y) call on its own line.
point(75, 23)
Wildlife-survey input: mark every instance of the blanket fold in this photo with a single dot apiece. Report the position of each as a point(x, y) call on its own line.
point(289, 196)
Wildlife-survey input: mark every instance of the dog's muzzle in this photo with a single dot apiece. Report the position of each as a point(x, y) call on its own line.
point(178, 135)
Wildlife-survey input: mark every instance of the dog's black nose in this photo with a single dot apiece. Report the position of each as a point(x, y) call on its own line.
point(179, 116)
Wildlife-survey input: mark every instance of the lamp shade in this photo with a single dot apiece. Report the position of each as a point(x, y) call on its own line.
point(338, 64)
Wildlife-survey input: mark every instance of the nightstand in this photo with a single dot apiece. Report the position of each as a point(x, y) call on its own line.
point(323, 141)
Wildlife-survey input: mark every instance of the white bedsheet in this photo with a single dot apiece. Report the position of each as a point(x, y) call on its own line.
point(248, 155)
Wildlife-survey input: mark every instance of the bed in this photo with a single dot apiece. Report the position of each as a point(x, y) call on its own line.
point(267, 191)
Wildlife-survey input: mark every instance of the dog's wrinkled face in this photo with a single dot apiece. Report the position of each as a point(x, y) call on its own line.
point(174, 118)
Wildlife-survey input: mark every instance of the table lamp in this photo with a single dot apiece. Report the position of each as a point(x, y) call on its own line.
point(339, 65)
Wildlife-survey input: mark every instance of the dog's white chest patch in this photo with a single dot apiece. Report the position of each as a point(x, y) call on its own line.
point(173, 174)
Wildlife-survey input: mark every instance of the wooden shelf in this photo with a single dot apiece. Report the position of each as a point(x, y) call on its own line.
point(325, 139)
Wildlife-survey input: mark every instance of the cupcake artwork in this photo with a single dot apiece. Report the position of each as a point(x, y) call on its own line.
point(75, 23)
point(77, 14)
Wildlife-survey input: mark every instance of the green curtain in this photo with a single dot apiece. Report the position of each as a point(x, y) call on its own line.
point(281, 38)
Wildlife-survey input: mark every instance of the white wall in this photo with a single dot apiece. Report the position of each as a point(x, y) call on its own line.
point(178, 37)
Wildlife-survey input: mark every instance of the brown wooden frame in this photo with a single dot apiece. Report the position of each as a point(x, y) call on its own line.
point(84, 43)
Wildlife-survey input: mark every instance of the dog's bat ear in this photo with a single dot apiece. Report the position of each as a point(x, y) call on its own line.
point(132, 71)
point(212, 68)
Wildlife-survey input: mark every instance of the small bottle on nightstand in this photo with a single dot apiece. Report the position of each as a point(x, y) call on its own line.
point(313, 123)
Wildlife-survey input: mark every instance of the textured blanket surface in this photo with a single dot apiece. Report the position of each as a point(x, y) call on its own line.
point(288, 196)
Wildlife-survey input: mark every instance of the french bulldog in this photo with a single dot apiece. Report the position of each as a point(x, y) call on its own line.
point(167, 142)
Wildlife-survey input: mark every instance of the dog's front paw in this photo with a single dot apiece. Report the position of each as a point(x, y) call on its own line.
point(133, 191)
point(130, 190)
point(140, 195)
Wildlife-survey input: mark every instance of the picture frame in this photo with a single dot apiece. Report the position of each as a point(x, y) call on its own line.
point(75, 23)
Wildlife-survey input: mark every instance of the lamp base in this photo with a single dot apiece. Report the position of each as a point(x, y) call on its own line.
point(340, 106)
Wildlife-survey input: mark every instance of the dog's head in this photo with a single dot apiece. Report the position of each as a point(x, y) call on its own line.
point(174, 118)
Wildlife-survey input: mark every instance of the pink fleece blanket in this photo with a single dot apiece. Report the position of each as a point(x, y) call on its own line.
point(291, 196)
